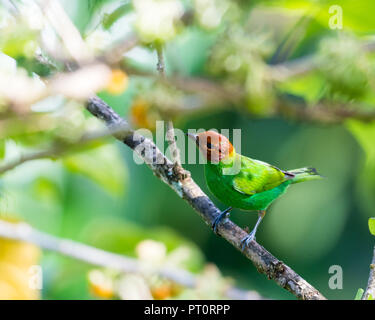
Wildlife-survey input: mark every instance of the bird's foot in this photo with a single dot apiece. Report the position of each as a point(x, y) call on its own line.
point(245, 241)
point(223, 215)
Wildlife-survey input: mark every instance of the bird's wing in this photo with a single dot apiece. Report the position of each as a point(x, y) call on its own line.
point(256, 176)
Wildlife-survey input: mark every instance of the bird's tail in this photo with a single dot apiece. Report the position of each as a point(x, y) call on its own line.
point(304, 174)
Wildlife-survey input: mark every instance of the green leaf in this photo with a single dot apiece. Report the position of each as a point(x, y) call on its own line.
point(359, 294)
point(2, 148)
point(46, 190)
point(355, 17)
point(371, 225)
point(17, 41)
point(111, 18)
point(365, 134)
point(103, 165)
point(32, 65)
point(309, 86)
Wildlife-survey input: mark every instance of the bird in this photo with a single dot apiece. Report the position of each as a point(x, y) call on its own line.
point(241, 182)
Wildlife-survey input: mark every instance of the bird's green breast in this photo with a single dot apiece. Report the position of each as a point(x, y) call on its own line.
point(221, 186)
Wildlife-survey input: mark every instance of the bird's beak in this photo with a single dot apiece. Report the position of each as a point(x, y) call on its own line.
point(192, 136)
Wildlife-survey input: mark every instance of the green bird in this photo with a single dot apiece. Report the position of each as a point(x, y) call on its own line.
point(242, 182)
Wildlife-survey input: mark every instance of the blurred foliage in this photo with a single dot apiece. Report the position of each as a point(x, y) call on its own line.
point(148, 285)
point(96, 193)
point(359, 294)
point(16, 259)
point(103, 165)
point(345, 66)
point(371, 225)
point(16, 262)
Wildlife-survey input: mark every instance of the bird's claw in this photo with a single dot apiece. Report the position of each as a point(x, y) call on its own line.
point(216, 222)
point(222, 216)
point(246, 240)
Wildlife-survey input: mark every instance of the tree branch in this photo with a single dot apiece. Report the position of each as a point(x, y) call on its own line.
point(188, 190)
point(98, 257)
point(370, 290)
point(59, 148)
point(170, 135)
point(160, 66)
point(215, 93)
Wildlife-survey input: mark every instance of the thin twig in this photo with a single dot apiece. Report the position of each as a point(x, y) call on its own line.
point(283, 71)
point(115, 54)
point(29, 157)
point(59, 148)
point(160, 66)
point(370, 290)
point(98, 257)
point(170, 135)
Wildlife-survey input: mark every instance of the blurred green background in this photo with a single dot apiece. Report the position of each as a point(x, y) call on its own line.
point(100, 196)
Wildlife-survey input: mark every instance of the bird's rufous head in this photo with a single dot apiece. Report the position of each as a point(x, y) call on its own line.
point(214, 146)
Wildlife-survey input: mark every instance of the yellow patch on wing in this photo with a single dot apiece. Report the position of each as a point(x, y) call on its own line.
point(256, 176)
